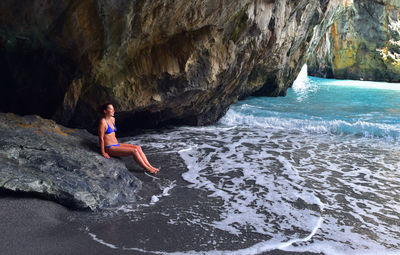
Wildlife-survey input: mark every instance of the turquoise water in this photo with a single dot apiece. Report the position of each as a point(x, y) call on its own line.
point(315, 105)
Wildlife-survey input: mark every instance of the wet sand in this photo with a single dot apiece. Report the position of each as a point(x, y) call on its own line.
point(35, 226)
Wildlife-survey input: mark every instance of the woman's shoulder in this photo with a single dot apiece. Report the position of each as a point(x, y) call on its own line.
point(102, 121)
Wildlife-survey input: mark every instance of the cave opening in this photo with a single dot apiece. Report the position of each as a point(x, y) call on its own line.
point(34, 79)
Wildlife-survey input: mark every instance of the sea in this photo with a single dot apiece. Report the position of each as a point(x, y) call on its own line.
point(316, 171)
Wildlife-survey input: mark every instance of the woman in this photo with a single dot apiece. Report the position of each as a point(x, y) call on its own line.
point(109, 144)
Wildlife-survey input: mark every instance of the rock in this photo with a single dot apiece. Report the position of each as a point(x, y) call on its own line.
point(364, 44)
point(158, 62)
point(41, 158)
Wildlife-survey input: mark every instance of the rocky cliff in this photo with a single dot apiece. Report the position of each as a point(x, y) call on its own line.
point(362, 44)
point(158, 62)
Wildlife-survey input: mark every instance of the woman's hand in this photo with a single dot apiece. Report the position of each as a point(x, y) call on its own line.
point(105, 154)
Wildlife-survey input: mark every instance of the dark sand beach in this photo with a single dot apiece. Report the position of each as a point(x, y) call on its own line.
point(36, 226)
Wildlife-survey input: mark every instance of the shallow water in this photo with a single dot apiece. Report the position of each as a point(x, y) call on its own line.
point(316, 171)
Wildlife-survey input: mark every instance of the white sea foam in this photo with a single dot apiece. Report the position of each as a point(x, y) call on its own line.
point(248, 205)
point(388, 132)
point(165, 192)
point(126, 209)
point(355, 163)
point(304, 193)
point(98, 240)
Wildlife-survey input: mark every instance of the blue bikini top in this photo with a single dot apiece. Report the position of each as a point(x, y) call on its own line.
point(109, 129)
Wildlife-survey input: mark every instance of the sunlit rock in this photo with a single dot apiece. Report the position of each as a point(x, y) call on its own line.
point(363, 44)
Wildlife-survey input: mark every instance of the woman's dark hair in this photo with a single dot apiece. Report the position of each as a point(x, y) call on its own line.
point(104, 107)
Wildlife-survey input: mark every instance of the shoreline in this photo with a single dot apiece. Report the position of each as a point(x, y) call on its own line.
point(36, 226)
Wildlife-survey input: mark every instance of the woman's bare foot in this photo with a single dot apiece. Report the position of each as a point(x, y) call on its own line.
point(153, 170)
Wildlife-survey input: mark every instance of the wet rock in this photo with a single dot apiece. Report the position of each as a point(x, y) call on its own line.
point(40, 158)
point(363, 44)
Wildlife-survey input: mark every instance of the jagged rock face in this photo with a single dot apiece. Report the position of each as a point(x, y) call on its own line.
point(158, 62)
point(363, 44)
point(41, 158)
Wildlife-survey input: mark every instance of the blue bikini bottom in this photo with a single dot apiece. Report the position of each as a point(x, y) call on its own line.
point(108, 147)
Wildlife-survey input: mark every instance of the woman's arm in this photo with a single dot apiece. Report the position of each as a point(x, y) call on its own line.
point(101, 132)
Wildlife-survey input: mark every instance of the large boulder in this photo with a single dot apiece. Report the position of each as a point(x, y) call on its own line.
point(363, 44)
point(159, 62)
point(40, 158)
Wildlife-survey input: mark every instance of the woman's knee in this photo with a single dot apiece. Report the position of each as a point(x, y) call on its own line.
point(137, 147)
point(134, 151)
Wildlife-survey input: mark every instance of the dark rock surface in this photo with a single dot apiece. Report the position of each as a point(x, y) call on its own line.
point(40, 158)
point(159, 62)
point(363, 44)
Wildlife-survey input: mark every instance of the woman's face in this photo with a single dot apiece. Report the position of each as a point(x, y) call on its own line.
point(109, 111)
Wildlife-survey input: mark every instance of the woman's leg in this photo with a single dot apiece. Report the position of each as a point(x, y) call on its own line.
point(124, 152)
point(139, 149)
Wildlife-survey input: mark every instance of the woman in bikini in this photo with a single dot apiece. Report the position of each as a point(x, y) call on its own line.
point(111, 147)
